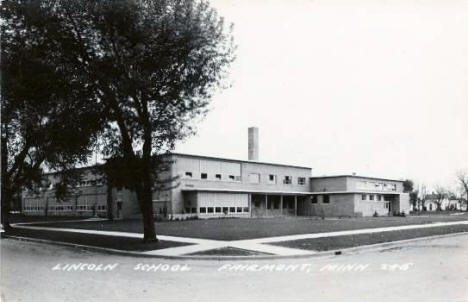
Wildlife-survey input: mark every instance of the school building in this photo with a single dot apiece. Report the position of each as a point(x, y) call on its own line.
point(210, 187)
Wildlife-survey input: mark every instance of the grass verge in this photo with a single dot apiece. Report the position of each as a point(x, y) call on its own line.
point(112, 242)
point(339, 242)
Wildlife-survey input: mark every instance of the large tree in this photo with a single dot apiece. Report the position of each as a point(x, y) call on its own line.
point(44, 120)
point(153, 66)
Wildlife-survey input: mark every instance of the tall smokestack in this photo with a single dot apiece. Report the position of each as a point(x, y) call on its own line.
point(253, 143)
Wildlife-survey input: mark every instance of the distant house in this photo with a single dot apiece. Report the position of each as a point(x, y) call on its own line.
point(446, 203)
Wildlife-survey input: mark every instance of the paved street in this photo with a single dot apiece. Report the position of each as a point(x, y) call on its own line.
point(428, 270)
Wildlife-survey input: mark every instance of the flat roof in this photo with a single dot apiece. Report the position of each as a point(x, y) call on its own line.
point(237, 160)
point(356, 176)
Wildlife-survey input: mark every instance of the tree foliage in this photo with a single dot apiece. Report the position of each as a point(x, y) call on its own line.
point(44, 120)
point(462, 177)
point(408, 186)
point(147, 67)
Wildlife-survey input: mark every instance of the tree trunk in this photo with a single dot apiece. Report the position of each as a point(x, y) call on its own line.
point(466, 191)
point(46, 208)
point(110, 209)
point(76, 204)
point(144, 195)
point(5, 197)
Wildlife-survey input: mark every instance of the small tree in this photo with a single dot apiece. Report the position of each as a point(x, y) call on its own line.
point(462, 178)
point(414, 198)
point(408, 186)
point(440, 194)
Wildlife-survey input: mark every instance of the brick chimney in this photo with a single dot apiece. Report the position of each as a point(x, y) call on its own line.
point(253, 143)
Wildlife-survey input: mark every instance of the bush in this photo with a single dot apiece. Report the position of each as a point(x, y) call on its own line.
point(375, 214)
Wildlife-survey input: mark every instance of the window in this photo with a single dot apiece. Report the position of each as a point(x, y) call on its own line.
point(371, 197)
point(187, 210)
point(246, 209)
point(188, 174)
point(202, 210)
point(239, 209)
point(231, 177)
point(225, 210)
point(218, 176)
point(313, 199)
point(301, 181)
point(254, 178)
point(287, 180)
point(257, 204)
point(204, 176)
point(326, 198)
point(232, 210)
point(210, 210)
point(194, 210)
point(363, 196)
point(379, 197)
point(271, 179)
point(218, 209)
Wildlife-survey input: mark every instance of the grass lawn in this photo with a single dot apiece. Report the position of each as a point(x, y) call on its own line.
point(339, 242)
point(243, 228)
point(112, 242)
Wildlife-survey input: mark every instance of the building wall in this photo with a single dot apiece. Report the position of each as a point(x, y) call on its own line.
point(212, 205)
point(90, 197)
point(332, 184)
point(129, 202)
point(339, 205)
point(370, 207)
point(405, 204)
point(247, 176)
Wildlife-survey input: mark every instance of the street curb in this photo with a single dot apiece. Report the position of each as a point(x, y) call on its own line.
point(344, 251)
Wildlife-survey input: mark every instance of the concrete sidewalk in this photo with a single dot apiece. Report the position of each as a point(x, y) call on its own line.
point(259, 245)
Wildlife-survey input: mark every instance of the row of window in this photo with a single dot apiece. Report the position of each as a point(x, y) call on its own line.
point(217, 176)
point(253, 178)
point(65, 208)
point(325, 198)
point(83, 183)
point(225, 210)
point(372, 185)
point(372, 197)
point(90, 183)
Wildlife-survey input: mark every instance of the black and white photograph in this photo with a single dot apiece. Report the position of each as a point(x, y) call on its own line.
point(234, 150)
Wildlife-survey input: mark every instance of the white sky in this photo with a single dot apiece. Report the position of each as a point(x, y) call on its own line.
point(379, 88)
